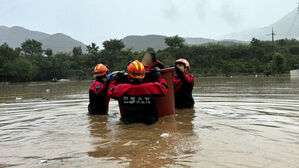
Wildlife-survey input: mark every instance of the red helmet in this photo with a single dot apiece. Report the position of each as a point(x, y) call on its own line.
point(183, 61)
point(136, 70)
point(100, 70)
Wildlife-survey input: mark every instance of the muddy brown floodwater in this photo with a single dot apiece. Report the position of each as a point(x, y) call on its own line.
point(237, 122)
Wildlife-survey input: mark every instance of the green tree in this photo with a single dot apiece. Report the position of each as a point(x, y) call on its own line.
point(113, 46)
point(31, 48)
point(166, 58)
point(255, 42)
point(77, 51)
point(92, 49)
point(7, 54)
point(294, 49)
point(150, 49)
point(174, 42)
point(60, 66)
point(49, 52)
point(277, 65)
point(20, 69)
point(281, 43)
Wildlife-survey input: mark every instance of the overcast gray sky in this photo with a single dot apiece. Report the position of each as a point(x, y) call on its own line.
point(99, 20)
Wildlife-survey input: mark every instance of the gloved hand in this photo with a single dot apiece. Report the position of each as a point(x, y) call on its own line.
point(154, 73)
point(119, 75)
point(110, 76)
point(113, 75)
point(178, 70)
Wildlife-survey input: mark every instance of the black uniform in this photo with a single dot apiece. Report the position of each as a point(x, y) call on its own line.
point(183, 87)
point(98, 99)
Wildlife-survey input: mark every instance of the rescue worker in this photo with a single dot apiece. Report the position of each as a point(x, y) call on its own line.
point(137, 99)
point(98, 99)
point(149, 61)
point(183, 85)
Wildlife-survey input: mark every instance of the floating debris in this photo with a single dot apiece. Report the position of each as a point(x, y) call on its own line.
point(129, 143)
point(64, 80)
point(164, 135)
point(43, 161)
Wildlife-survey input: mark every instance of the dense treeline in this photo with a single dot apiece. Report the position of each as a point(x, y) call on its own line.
point(257, 57)
point(30, 62)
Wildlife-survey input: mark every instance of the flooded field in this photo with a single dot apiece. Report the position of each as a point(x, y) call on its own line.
point(237, 122)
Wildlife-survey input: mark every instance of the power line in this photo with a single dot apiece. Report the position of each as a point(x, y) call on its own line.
point(291, 29)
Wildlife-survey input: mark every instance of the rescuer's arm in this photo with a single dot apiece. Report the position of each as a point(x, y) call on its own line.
point(160, 86)
point(184, 77)
point(113, 86)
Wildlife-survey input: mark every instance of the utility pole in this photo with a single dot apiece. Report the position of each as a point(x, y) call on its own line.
point(273, 41)
point(273, 34)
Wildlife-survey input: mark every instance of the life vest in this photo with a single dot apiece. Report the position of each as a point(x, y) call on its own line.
point(183, 87)
point(137, 101)
point(178, 81)
point(97, 87)
point(98, 99)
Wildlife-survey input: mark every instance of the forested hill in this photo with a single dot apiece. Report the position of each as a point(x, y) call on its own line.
point(31, 62)
point(58, 42)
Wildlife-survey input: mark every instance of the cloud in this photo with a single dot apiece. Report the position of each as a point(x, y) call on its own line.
point(170, 10)
point(229, 12)
point(202, 9)
point(99, 20)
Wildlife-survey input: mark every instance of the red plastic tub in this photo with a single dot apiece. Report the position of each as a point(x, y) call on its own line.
point(165, 104)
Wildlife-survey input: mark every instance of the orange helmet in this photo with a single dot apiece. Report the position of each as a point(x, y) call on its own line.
point(100, 70)
point(183, 61)
point(136, 70)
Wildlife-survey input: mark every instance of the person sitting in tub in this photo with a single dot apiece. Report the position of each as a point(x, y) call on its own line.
point(137, 99)
point(149, 61)
point(98, 99)
point(183, 85)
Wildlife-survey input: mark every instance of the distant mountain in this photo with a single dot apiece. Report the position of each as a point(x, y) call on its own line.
point(198, 41)
point(204, 41)
point(141, 43)
point(286, 27)
point(61, 42)
point(16, 35)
